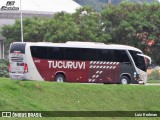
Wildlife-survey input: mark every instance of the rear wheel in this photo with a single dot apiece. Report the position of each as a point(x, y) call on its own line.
point(60, 78)
point(124, 80)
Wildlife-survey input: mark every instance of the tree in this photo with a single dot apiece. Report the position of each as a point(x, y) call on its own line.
point(89, 24)
point(135, 24)
point(11, 32)
point(34, 30)
point(61, 28)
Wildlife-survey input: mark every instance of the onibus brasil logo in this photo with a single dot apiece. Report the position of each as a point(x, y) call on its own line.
point(9, 6)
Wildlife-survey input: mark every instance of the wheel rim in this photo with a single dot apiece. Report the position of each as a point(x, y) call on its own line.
point(124, 81)
point(59, 79)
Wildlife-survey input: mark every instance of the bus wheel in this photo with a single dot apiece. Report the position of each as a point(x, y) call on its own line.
point(60, 78)
point(124, 80)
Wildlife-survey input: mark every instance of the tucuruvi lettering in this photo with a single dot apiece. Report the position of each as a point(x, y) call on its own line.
point(66, 64)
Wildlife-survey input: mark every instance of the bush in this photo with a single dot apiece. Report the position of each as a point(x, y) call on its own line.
point(4, 68)
point(155, 75)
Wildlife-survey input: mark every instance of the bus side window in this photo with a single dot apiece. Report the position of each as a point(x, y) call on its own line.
point(89, 54)
point(39, 52)
point(55, 53)
point(121, 56)
point(33, 51)
point(42, 52)
point(73, 54)
point(105, 55)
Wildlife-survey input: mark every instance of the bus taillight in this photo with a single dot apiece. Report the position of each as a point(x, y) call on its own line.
point(9, 67)
point(25, 68)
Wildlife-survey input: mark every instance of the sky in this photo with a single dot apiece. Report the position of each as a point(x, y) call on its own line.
point(45, 5)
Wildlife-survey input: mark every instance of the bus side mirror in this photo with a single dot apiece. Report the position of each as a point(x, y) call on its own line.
point(147, 62)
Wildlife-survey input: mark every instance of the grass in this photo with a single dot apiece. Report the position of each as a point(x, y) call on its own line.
point(49, 96)
point(153, 81)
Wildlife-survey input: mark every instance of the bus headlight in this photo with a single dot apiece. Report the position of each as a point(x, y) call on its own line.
point(135, 74)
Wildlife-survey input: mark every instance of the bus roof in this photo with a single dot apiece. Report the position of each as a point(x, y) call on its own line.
point(78, 44)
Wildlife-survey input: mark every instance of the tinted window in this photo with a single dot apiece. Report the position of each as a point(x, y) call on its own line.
point(113, 55)
point(47, 52)
point(73, 53)
point(89, 54)
point(56, 53)
point(80, 54)
point(121, 56)
point(20, 47)
point(39, 52)
point(105, 55)
point(86, 54)
point(139, 60)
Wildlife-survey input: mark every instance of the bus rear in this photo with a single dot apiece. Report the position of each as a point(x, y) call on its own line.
point(18, 68)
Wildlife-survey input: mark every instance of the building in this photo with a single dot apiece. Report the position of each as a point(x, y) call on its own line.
point(11, 10)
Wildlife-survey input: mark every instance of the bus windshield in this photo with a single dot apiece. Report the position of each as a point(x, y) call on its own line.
point(139, 60)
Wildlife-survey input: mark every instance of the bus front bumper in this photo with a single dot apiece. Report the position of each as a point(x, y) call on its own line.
point(141, 82)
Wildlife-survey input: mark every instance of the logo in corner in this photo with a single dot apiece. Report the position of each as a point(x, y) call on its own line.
point(9, 6)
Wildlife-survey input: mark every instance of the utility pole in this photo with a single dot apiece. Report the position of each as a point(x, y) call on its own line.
point(21, 21)
point(109, 1)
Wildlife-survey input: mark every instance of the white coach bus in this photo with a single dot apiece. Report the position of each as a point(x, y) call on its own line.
point(85, 62)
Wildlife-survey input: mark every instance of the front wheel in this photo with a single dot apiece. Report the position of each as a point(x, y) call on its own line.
point(124, 80)
point(60, 78)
